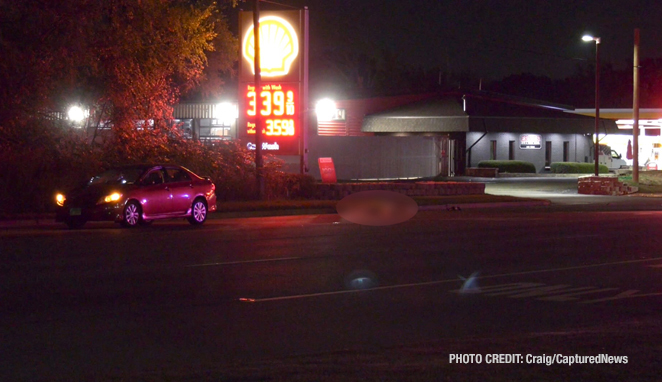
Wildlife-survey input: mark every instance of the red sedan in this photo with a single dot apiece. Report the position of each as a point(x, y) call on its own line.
point(138, 195)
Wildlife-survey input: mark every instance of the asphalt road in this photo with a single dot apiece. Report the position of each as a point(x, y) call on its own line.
point(105, 303)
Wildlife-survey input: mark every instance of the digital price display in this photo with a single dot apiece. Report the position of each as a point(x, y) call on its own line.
point(276, 104)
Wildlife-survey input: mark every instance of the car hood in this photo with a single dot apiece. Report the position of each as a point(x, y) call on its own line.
point(89, 195)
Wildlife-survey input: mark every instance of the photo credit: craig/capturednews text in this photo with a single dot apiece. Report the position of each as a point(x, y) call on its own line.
point(543, 359)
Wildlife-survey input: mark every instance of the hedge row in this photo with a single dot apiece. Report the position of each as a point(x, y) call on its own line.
point(512, 166)
point(576, 168)
point(38, 160)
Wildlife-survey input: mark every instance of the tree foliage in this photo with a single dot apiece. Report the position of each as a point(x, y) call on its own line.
point(130, 59)
point(578, 90)
point(126, 60)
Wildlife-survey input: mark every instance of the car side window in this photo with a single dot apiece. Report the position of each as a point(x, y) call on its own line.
point(177, 175)
point(153, 178)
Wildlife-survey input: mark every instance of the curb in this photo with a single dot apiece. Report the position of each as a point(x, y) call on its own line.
point(28, 223)
point(461, 206)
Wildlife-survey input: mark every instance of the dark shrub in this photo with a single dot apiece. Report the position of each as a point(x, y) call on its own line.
point(576, 168)
point(512, 166)
point(282, 185)
point(38, 159)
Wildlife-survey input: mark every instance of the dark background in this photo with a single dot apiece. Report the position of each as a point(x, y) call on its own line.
point(415, 45)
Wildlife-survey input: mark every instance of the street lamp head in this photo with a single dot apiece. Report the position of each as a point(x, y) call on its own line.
point(325, 109)
point(76, 113)
point(588, 37)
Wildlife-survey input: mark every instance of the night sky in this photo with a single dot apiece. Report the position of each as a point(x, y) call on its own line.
point(491, 38)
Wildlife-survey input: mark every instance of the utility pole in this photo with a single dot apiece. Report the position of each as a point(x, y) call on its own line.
point(635, 111)
point(597, 106)
point(259, 165)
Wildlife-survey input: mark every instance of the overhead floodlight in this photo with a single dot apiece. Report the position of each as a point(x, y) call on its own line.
point(76, 114)
point(325, 109)
point(226, 111)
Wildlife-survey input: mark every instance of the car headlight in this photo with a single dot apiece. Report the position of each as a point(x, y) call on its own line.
point(115, 196)
point(59, 199)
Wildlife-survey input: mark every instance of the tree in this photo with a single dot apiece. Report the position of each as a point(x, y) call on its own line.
point(130, 59)
point(221, 65)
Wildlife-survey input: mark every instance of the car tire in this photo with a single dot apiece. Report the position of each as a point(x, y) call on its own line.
point(132, 215)
point(199, 212)
point(75, 223)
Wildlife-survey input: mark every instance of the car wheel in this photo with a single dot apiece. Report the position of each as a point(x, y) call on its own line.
point(74, 223)
point(198, 212)
point(132, 215)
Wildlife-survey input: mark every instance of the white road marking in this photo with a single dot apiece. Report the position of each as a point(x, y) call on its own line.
point(244, 262)
point(556, 292)
point(454, 280)
point(572, 296)
point(545, 291)
point(632, 293)
point(572, 268)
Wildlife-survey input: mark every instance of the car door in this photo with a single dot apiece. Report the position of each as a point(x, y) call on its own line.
point(153, 193)
point(180, 187)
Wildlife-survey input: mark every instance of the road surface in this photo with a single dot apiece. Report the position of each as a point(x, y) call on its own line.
point(175, 300)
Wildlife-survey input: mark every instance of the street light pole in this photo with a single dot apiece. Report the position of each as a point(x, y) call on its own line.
point(635, 111)
point(597, 99)
point(597, 105)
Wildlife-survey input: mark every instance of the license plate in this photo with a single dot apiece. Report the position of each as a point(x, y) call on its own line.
point(74, 212)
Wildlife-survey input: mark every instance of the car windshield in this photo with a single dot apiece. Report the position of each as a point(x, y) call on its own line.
point(128, 175)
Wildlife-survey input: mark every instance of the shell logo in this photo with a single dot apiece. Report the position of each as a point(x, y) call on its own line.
point(279, 46)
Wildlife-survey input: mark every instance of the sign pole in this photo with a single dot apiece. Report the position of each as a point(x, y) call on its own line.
point(305, 114)
point(635, 111)
point(259, 165)
point(597, 106)
point(273, 117)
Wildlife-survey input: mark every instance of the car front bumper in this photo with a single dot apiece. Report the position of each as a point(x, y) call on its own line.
point(100, 212)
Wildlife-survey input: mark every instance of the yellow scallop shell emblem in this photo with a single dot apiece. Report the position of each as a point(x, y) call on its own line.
point(279, 46)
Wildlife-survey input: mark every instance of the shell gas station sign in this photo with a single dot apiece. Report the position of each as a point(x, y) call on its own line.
point(279, 101)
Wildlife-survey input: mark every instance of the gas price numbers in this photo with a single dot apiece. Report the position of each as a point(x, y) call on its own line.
point(274, 103)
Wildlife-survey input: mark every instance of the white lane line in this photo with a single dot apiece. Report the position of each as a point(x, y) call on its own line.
point(554, 238)
point(573, 296)
point(578, 236)
point(244, 262)
point(437, 282)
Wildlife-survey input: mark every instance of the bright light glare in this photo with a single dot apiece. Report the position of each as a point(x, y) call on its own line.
point(470, 284)
point(112, 197)
point(325, 109)
point(226, 112)
point(587, 38)
point(361, 279)
point(627, 123)
point(59, 199)
point(76, 113)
